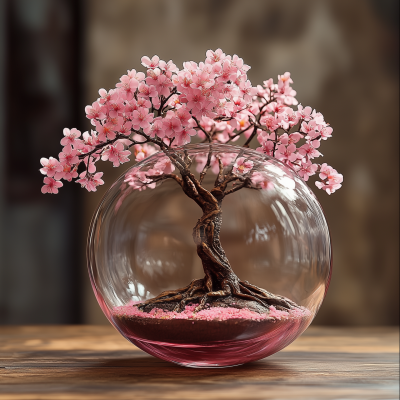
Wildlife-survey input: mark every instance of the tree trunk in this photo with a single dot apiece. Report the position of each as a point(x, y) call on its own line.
point(218, 272)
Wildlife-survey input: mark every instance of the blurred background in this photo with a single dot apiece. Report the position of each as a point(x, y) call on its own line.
point(56, 54)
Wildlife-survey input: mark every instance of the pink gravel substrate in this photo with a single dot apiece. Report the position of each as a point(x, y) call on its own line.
point(210, 314)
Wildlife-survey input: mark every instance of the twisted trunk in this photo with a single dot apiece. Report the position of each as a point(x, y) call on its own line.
point(219, 275)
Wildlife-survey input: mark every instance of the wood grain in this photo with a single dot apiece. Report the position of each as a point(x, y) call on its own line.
point(95, 362)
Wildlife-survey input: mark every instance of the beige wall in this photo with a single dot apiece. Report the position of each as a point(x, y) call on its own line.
point(343, 57)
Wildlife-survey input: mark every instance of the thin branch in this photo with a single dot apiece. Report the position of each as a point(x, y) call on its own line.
point(220, 177)
point(251, 137)
point(161, 109)
point(206, 166)
point(158, 178)
point(202, 129)
point(235, 188)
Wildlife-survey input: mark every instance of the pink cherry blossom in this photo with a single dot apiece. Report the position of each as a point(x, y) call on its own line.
point(145, 103)
point(194, 97)
point(307, 169)
point(138, 180)
point(50, 166)
point(71, 137)
point(105, 131)
point(260, 180)
point(147, 91)
point(143, 151)
point(309, 150)
point(95, 111)
point(165, 165)
point(90, 182)
point(106, 97)
point(304, 112)
point(141, 118)
point(51, 185)
point(171, 125)
point(326, 132)
point(247, 90)
point(242, 166)
point(215, 56)
point(68, 172)
point(267, 147)
point(333, 180)
point(286, 153)
point(183, 136)
point(116, 154)
point(162, 85)
point(127, 87)
point(69, 156)
point(153, 63)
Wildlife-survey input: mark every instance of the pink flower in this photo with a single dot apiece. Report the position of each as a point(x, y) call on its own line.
point(147, 91)
point(165, 165)
point(247, 91)
point(307, 169)
point(182, 137)
point(138, 180)
point(215, 56)
point(95, 111)
point(286, 153)
point(68, 172)
point(329, 187)
point(270, 122)
point(332, 179)
point(71, 137)
point(157, 128)
point(242, 166)
point(141, 118)
point(171, 126)
point(183, 114)
point(153, 63)
point(309, 150)
point(51, 186)
point(50, 166)
point(260, 180)
point(90, 182)
point(127, 86)
point(69, 156)
point(106, 131)
point(267, 147)
point(288, 139)
point(106, 97)
point(204, 109)
point(194, 97)
point(304, 113)
point(139, 76)
point(326, 132)
point(162, 85)
point(116, 154)
point(143, 151)
point(145, 103)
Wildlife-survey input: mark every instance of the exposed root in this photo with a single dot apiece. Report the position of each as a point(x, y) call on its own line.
point(243, 295)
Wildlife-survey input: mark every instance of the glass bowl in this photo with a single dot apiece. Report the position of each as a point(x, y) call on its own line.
point(140, 244)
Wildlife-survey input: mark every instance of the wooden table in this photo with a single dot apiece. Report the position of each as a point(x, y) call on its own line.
point(95, 362)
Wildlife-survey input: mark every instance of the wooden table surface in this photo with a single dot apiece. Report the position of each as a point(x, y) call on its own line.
point(95, 362)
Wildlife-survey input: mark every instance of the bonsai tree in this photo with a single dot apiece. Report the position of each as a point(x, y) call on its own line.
point(161, 110)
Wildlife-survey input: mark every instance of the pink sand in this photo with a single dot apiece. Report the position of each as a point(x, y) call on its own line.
point(210, 314)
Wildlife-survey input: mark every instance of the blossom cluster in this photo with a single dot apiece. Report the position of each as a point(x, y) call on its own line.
point(293, 136)
point(166, 107)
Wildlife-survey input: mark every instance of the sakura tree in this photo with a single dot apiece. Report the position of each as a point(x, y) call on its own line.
point(214, 102)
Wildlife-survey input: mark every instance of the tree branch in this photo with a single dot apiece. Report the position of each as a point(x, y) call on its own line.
point(206, 166)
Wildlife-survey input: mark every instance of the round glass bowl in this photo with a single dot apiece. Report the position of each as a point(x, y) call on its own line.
point(140, 244)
